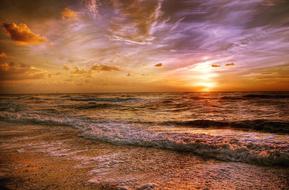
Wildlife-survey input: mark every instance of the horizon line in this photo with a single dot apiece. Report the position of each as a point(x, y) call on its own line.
point(137, 92)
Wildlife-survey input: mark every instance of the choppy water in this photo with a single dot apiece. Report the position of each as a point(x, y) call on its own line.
point(245, 127)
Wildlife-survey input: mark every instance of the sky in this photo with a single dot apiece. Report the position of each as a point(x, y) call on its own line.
point(80, 46)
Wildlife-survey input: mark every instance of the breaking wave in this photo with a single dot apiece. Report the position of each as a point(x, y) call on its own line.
point(227, 148)
point(258, 124)
point(216, 125)
point(201, 144)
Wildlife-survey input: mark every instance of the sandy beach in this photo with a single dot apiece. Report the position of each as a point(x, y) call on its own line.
point(43, 157)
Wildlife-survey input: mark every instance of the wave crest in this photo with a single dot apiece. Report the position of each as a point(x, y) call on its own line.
point(258, 124)
point(225, 148)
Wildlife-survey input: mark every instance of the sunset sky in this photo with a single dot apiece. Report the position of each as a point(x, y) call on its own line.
point(49, 46)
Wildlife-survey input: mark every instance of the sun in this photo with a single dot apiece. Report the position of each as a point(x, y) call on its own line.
point(204, 76)
point(206, 86)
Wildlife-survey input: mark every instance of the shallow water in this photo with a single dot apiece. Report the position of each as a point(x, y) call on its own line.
point(243, 127)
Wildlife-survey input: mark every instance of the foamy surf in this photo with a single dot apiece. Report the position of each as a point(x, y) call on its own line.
point(59, 152)
point(258, 148)
point(258, 129)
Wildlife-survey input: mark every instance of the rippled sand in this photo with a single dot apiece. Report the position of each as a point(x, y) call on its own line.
point(43, 157)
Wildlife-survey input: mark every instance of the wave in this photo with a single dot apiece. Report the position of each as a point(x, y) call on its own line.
point(97, 106)
point(267, 96)
point(92, 105)
point(96, 99)
point(38, 119)
point(257, 96)
point(258, 124)
point(49, 111)
point(218, 147)
point(12, 107)
point(224, 151)
point(227, 148)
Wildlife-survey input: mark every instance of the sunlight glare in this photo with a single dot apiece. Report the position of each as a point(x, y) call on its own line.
point(205, 75)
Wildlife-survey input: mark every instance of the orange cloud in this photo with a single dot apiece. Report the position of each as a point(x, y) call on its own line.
point(78, 71)
point(230, 64)
point(4, 67)
point(3, 56)
point(158, 65)
point(68, 14)
point(87, 72)
point(215, 65)
point(104, 68)
point(65, 67)
point(13, 71)
point(22, 34)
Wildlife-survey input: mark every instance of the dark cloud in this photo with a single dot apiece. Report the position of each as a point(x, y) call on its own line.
point(31, 9)
point(158, 65)
point(230, 64)
point(22, 34)
point(215, 65)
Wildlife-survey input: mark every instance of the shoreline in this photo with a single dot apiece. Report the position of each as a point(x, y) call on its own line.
point(43, 157)
point(30, 169)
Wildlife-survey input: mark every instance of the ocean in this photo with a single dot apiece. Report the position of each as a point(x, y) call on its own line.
point(232, 127)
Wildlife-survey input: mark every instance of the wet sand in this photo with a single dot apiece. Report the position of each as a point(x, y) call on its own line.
point(45, 157)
